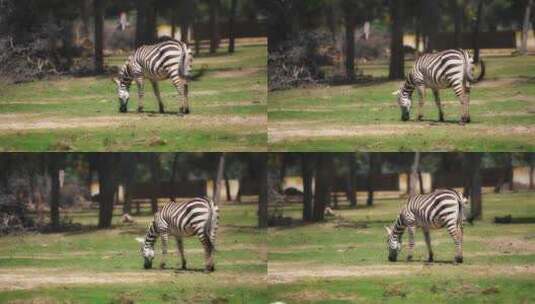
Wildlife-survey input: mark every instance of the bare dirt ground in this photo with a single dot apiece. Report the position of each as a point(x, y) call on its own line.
point(290, 272)
point(29, 278)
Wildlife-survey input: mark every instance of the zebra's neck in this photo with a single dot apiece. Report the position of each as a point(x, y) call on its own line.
point(398, 228)
point(125, 74)
point(150, 237)
point(408, 87)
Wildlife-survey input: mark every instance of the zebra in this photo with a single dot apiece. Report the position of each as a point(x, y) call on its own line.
point(442, 207)
point(169, 58)
point(449, 68)
point(198, 216)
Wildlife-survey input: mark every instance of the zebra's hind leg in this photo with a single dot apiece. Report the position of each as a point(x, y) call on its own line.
point(465, 101)
point(156, 90)
point(439, 105)
point(411, 230)
point(427, 237)
point(209, 257)
point(140, 93)
point(421, 101)
point(181, 86)
point(165, 237)
point(457, 236)
point(180, 247)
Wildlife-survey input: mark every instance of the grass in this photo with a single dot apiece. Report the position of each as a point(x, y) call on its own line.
point(365, 117)
point(228, 105)
point(114, 254)
point(492, 254)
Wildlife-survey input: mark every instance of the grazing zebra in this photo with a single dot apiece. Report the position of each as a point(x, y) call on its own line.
point(198, 216)
point(434, 210)
point(450, 68)
point(168, 58)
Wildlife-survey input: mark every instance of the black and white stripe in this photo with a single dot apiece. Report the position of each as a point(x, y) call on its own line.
point(446, 69)
point(198, 217)
point(168, 59)
point(441, 208)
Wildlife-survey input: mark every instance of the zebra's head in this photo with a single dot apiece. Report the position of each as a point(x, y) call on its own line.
point(404, 101)
point(147, 252)
point(394, 245)
point(124, 95)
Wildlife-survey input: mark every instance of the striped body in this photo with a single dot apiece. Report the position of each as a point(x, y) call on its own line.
point(435, 210)
point(168, 59)
point(198, 217)
point(441, 70)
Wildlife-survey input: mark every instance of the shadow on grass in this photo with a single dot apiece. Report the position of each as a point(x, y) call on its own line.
point(514, 220)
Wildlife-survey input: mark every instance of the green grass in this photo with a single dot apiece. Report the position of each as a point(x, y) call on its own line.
point(228, 105)
point(365, 117)
point(490, 252)
point(240, 263)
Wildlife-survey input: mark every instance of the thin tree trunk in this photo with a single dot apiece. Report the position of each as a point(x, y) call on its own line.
point(154, 160)
point(477, 25)
point(54, 168)
point(99, 24)
point(350, 46)
point(263, 197)
point(173, 23)
point(456, 16)
point(151, 26)
point(227, 186)
point(413, 179)
point(232, 20)
point(474, 161)
point(525, 28)
point(140, 22)
point(219, 178)
point(307, 172)
point(352, 195)
point(323, 186)
point(214, 34)
point(396, 70)
point(375, 169)
point(531, 172)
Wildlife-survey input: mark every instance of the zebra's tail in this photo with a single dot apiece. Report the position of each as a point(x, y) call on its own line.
point(469, 63)
point(462, 208)
point(187, 62)
point(210, 228)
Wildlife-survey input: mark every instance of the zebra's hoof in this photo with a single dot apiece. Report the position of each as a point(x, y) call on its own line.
point(459, 259)
point(140, 109)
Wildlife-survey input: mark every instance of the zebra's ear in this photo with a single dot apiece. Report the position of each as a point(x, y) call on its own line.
point(116, 80)
point(395, 92)
point(140, 240)
point(388, 230)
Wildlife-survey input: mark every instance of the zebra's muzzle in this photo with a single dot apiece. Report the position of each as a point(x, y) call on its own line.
point(147, 264)
point(123, 106)
point(404, 114)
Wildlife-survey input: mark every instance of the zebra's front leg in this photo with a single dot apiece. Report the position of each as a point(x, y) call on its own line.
point(427, 237)
point(156, 90)
point(421, 101)
point(140, 93)
point(180, 247)
point(411, 230)
point(165, 239)
point(439, 105)
point(456, 234)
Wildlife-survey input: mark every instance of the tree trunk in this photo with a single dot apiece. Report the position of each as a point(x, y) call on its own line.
point(54, 169)
point(413, 179)
point(351, 189)
point(263, 197)
point(107, 188)
point(214, 34)
point(475, 36)
point(84, 16)
point(322, 193)
point(349, 23)
point(282, 171)
point(396, 70)
point(219, 178)
point(128, 171)
point(232, 20)
point(151, 26)
point(525, 28)
point(307, 172)
point(375, 169)
point(227, 186)
point(99, 40)
point(531, 172)
point(155, 168)
point(173, 23)
point(140, 22)
point(474, 162)
point(456, 16)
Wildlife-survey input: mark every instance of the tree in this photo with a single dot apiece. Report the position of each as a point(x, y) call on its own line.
point(456, 16)
point(396, 70)
point(105, 163)
point(473, 165)
point(214, 28)
point(263, 195)
point(415, 169)
point(351, 179)
point(323, 182)
point(155, 172)
point(54, 168)
point(99, 25)
point(127, 164)
point(307, 172)
point(349, 22)
point(477, 28)
point(219, 178)
point(374, 170)
point(231, 30)
point(525, 27)
point(140, 22)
